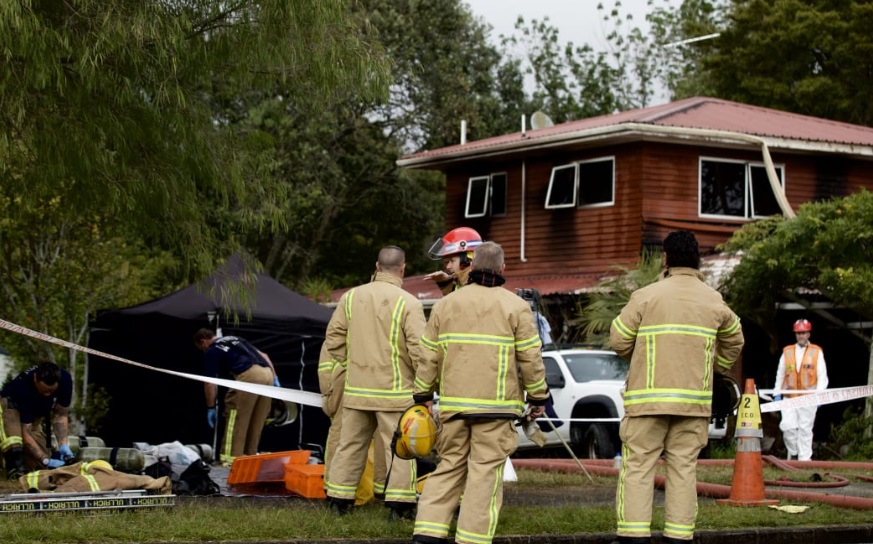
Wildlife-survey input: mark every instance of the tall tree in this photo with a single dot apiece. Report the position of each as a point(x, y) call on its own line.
point(813, 57)
point(346, 195)
point(58, 266)
point(113, 97)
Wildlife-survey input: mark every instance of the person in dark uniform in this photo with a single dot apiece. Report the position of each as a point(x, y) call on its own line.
point(244, 412)
point(27, 402)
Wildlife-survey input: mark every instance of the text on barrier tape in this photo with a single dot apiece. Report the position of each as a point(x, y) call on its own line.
point(825, 396)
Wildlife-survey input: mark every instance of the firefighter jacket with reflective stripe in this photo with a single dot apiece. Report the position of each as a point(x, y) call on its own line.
point(481, 354)
point(674, 332)
point(375, 332)
point(805, 375)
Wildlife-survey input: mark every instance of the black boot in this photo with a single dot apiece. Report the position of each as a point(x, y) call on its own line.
point(424, 539)
point(633, 540)
point(13, 460)
point(671, 540)
point(340, 507)
point(400, 510)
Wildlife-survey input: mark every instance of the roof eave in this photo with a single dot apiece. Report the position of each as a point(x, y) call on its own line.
point(639, 131)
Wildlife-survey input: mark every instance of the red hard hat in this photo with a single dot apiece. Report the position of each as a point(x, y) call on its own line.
point(459, 240)
point(802, 325)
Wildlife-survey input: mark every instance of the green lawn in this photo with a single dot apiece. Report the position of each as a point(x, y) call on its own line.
point(245, 520)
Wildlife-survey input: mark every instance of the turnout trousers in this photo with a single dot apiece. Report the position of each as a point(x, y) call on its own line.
point(472, 453)
point(644, 439)
point(245, 414)
point(359, 427)
point(12, 440)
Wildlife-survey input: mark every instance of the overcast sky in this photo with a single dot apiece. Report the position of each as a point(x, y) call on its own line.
point(577, 21)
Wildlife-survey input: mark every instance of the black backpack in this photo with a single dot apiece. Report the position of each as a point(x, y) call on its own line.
point(195, 480)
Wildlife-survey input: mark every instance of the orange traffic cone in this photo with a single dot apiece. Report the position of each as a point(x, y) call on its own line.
point(747, 488)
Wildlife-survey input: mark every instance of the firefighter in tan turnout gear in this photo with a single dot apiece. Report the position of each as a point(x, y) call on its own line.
point(482, 355)
point(374, 332)
point(455, 249)
point(673, 332)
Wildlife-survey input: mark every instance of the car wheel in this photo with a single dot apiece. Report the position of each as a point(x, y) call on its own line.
point(597, 443)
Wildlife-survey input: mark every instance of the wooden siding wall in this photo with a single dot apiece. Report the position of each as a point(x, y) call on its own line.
point(656, 191)
point(575, 240)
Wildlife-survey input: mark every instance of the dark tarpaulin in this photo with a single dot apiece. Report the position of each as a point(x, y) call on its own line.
point(149, 406)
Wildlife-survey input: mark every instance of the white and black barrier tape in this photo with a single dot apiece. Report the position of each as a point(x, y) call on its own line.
point(824, 396)
point(305, 398)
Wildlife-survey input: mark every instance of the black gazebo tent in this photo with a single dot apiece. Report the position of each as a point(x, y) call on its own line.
point(154, 407)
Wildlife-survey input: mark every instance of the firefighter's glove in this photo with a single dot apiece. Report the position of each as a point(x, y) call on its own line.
point(54, 463)
point(276, 381)
point(66, 452)
point(211, 416)
point(777, 398)
point(532, 430)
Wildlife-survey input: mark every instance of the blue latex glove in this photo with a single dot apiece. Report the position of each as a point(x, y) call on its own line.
point(66, 452)
point(211, 417)
point(276, 381)
point(777, 397)
point(55, 463)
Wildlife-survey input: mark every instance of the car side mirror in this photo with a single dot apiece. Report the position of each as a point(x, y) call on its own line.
point(555, 381)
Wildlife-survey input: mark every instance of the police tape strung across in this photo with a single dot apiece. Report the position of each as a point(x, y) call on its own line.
point(306, 398)
point(825, 396)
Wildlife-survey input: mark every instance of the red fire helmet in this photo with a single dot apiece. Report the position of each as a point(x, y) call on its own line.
point(459, 240)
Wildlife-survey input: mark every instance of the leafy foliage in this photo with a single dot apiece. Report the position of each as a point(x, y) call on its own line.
point(113, 97)
point(828, 247)
point(813, 57)
point(606, 302)
point(852, 437)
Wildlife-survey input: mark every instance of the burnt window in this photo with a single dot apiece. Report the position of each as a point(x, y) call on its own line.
point(737, 189)
point(486, 195)
point(584, 184)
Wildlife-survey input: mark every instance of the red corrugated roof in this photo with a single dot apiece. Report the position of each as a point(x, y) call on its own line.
point(695, 113)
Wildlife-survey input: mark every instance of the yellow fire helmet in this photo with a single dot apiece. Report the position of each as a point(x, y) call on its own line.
point(100, 465)
point(415, 435)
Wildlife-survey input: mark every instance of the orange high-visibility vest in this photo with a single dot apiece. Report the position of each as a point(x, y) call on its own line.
point(805, 377)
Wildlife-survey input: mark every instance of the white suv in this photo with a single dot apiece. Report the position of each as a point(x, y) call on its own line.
point(587, 384)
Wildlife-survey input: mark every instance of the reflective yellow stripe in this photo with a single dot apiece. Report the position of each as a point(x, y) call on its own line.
point(731, 330)
point(33, 479)
point(441, 530)
point(396, 318)
point(671, 529)
point(429, 344)
point(377, 393)
point(680, 396)
point(11, 441)
point(452, 404)
point(532, 342)
point(502, 368)
point(483, 339)
point(536, 386)
point(622, 330)
point(675, 328)
point(227, 447)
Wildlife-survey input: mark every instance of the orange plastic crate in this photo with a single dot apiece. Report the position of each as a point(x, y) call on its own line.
point(305, 480)
point(265, 467)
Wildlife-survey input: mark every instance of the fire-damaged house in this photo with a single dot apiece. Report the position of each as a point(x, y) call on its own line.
point(568, 202)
